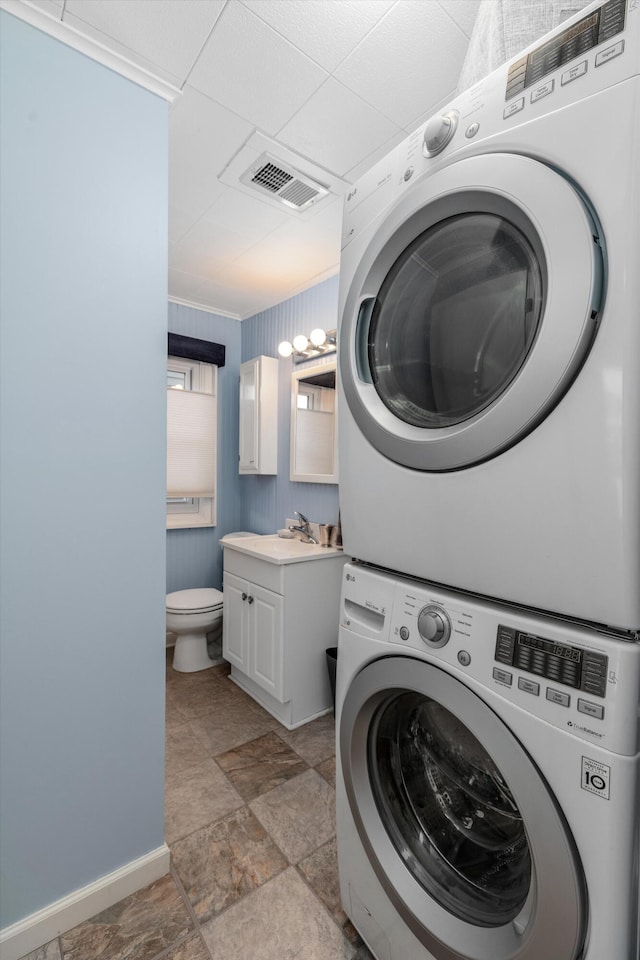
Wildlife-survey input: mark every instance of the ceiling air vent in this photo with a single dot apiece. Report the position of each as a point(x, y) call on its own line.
point(283, 183)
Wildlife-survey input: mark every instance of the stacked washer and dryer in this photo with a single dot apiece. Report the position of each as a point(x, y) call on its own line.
point(488, 689)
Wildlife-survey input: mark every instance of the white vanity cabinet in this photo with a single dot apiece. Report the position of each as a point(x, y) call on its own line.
point(280, 616)
point(259, 416)
point(254, 640)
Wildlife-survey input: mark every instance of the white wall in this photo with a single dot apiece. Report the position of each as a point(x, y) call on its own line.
point(83, 314)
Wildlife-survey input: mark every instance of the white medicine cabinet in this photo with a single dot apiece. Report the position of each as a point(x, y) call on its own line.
point(314, 434)
point(259, 416)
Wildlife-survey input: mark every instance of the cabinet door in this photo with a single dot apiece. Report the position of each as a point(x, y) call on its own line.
point(235, 646)
point(249, 388)
point(266, 641)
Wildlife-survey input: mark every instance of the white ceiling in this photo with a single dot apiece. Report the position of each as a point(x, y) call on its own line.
point(328, 85)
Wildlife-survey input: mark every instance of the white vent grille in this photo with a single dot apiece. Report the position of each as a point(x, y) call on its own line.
point(283, 183)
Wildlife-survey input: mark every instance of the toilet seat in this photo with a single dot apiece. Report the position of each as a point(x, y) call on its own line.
point(200, 600)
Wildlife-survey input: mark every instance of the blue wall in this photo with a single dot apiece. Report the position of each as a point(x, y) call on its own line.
point(261, 504)
point(268, 501)
point(194, 557)
point(83, 311)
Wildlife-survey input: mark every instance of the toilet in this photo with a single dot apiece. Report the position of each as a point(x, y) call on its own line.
point(191, 615)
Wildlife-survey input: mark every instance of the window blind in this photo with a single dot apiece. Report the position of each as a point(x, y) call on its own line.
point(191, 444)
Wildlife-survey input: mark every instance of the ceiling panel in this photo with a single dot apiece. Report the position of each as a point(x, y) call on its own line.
point(337, 128)
point(328, 86)
point(326, 30)
point(410, 59)
point(463, 12)
point(253, 71)
point(202, 137)
point(168, 33)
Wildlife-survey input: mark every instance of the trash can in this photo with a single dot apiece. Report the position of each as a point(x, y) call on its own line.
point(332, 663)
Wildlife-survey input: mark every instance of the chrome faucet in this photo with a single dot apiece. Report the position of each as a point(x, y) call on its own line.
point(304, 528)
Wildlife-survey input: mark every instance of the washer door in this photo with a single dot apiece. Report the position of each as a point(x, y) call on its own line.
point(470, 312)
point(457, 820)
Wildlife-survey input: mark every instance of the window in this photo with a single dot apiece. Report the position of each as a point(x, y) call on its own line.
point(191, 443)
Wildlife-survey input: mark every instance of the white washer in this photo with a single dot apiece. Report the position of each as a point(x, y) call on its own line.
point(490, 336)
point(487, 778)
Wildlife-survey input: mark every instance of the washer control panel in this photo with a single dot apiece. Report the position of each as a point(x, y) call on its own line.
point(562, 663)
point(572, 677)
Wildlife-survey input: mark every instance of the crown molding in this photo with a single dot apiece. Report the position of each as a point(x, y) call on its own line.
point(202, 306)
point(73, 38)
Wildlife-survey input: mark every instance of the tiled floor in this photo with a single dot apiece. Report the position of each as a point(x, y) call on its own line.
point(250, 820)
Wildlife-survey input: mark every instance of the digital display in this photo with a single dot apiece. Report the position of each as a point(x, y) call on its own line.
point(555, 649)
point(560, 663)
point(598, 27)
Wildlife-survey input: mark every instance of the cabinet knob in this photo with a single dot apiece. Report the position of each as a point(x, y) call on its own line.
point(244, 596)
point(250, 599)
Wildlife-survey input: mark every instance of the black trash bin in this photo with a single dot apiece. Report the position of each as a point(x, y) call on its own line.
point(332, 663)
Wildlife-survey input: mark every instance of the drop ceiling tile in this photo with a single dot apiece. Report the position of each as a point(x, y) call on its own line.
point(253, 71)
point(234, 301)
point(180, 221)
point(464, 12)
point(247, 215)
point(326, 30)
point(411, 58)
point(183, 286)
point(168, 33)
point(206, 247)
point(202, 137)
point(297, 251)
point(337, 128)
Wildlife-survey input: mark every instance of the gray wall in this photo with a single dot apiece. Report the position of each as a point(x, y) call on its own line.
point(83, 313)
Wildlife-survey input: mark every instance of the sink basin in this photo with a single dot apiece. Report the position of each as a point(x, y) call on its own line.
point(279, 549)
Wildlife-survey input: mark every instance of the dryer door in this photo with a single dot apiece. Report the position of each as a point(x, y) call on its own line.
point(457, 819)
point(470, 312)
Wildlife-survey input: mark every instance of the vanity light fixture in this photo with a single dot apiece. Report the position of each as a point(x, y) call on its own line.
point(317, 344)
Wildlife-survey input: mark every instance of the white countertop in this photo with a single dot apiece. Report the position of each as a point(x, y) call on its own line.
point(277, 549)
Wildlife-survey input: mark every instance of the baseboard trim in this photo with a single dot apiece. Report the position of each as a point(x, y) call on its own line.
point(39, 928)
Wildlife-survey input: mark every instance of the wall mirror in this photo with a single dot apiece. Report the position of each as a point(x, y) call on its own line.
point(314, 447)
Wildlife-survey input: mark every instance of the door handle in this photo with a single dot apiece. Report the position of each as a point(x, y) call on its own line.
point(250, 599)
point(244, 596)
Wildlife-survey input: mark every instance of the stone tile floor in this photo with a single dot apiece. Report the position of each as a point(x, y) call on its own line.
point(250, 821)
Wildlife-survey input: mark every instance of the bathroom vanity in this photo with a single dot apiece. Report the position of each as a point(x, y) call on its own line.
point(281, 610)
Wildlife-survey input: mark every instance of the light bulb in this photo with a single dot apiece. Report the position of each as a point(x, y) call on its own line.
point(300, 343)
point(317, 337)
point(285, 349)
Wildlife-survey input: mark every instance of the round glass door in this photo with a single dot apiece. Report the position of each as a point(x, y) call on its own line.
point(468, 311)
point(456, 819)
point(448, 810)
point(455, 319)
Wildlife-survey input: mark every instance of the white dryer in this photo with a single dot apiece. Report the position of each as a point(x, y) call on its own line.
point(490, 334)
point(487, 778)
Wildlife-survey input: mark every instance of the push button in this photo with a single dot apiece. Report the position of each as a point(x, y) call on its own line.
point(542, 91)
point(573, 73)
point(610, 53)
point(591, 709)
point(557, 696)
point(503, 676)
point(514, 107)
point(404, 633)
point(529, 686)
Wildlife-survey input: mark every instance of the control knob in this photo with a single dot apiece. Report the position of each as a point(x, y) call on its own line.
point(438, 132)
point(434, 625)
